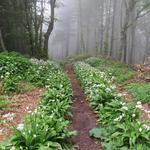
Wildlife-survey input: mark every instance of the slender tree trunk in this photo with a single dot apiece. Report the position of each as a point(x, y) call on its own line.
point(36, 28)
point(2, 41)
point(113, 25)
point(124, 44)
point(41, 24)
point(102, 26)
point(133, 29)
point(124, 30)
point(29, 26)
point(107, 39)
point(50, 26)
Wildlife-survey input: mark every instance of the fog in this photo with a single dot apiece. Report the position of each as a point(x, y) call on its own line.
point(76, 30)
point(115, 28)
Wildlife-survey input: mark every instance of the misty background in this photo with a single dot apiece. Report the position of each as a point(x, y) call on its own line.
point(58, 29)
point(91, 27)
point(76, 30)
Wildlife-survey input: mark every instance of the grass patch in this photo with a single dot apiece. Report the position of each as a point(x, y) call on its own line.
point(25, 86)
point(3, 102)
point(140, 91)
point(120, 71)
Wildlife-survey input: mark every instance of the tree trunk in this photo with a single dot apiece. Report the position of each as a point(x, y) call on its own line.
point(123, 46)
point(50, 26)
point(2, 41)
point(102, 26)
point(41, 24)
point(113, 25)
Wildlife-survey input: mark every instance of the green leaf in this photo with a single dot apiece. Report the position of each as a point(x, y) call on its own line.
point(96, 132)
point(124, 148)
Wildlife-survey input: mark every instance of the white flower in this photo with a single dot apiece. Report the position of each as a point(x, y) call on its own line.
point(139, 103)
point(34, 135)
point(29, 111)
point(140, 129)
point(13, 148)
point(123, 115)
point(123, 104)
point(113, 87)
point(119, 118)
point(35, 111)
point(119, 94)
point(20, 127)
point(7, 73)
point(139, 106)
point(133, 115)
point(146, 127)
point(116, 119)
point(47, 86)
point(125, 108)
point(108, 90)
point(113, 78)
point(124, 94)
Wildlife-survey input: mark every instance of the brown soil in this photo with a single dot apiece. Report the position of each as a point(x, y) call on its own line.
point(83, 117)
point(20, 106)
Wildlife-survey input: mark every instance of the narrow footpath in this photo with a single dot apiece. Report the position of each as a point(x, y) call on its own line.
point(83, 117)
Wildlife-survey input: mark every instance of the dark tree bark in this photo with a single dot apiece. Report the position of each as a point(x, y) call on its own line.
point(51, 25)
point(2, 42)
point(29, 26)
point(124, 30)
point(113, 25)
point(41, 24)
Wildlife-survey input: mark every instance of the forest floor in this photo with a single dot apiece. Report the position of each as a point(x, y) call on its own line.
point(84, 118)
point(20, 106)
point(128, 97)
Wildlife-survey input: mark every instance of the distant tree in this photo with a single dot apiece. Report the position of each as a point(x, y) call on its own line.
point(21, 26)
point(50, 24)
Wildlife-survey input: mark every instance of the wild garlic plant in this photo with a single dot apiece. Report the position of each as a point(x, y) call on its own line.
point(120, 125)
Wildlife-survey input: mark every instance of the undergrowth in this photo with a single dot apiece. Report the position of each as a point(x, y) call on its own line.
point(46, 127)
point(121, 72)
point(140, 91)
point(120, 125)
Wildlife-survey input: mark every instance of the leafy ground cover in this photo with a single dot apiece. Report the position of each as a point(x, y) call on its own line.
point(140, 91)
point(13, 68)
point(4, 102)
point(120, 72)
point(46, 127)
point(121, 127)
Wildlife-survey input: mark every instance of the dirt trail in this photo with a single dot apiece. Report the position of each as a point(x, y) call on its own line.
point(83, 117)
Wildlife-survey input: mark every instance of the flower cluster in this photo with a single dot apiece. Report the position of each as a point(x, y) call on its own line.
point(46, 127)
point(13, 64)
point(118, 119)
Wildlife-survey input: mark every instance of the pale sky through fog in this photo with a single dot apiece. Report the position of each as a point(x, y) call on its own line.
point(75, 27)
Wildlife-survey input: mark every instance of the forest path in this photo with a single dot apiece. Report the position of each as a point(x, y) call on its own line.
point(84, 118)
